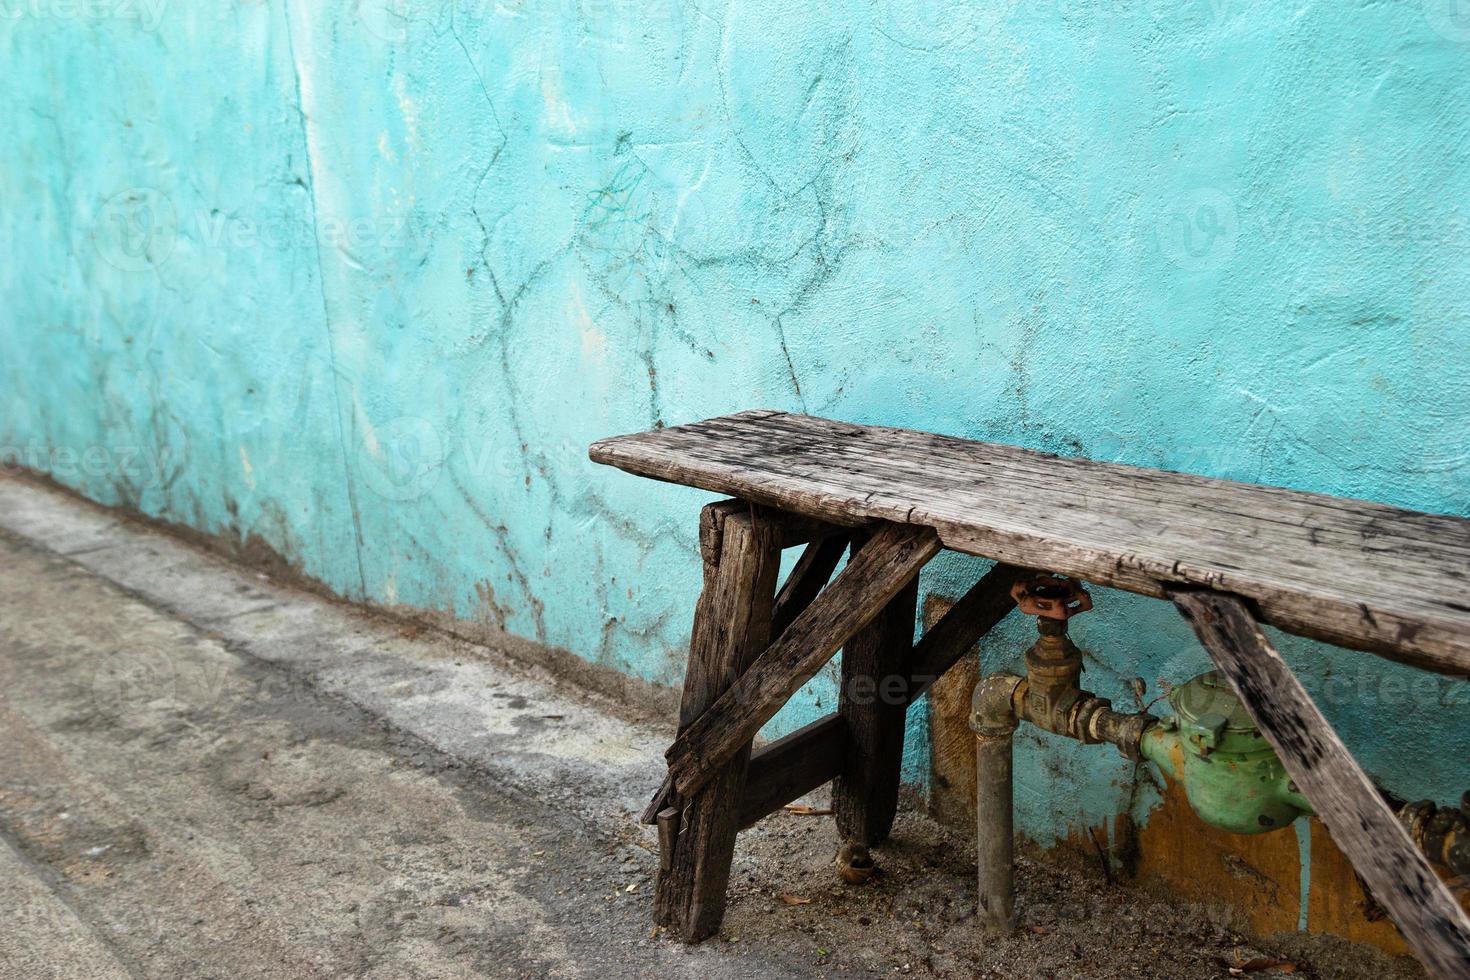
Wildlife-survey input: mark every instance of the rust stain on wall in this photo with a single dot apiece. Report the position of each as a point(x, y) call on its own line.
point(1337, 902)
point(951, 743)
point(1256, 877)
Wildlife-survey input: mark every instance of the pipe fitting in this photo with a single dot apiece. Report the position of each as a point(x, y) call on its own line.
point(1442, 833)
point(1096, 722)
point(994, 718)
point(993, 706)
point(1001, 702)
point(1230, 773)
point(1053, 678)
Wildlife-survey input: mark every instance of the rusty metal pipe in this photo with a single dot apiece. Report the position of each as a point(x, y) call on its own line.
point(994, 833)
point(1094, 721)
point(1441, 832)
point(993, 719)
point(1049, 696)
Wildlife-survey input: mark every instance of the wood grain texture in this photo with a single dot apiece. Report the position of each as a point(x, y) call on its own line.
point(732, 624)
point(976, 613)
point(873, 697)
point(1362, 824)
point(1350, 572)
point(953, 633)
point(889, 561)
point(798, 763)
point(657, 803)
point(792, 529)
point(792, 766)
point(825, 544)
point(807, 578)
point(942, 646)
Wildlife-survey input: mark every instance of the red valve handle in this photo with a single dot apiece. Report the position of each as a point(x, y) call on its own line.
point(1051, 596)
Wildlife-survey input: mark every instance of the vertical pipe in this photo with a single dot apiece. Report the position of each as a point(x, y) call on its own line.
point(993, 822)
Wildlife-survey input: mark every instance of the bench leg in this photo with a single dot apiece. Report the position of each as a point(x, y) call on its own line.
point(1428, 916)
point(874, 701)
point(732, 624)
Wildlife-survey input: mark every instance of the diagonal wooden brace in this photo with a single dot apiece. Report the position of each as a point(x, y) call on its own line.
point(799, 762)
point(1431, 921)
point(874, 576)
point(977, 613)
point(807, 579)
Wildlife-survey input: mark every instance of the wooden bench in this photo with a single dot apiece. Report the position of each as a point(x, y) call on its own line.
point(1360, 575)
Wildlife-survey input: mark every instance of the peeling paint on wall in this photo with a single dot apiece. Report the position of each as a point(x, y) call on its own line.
point(360, 282)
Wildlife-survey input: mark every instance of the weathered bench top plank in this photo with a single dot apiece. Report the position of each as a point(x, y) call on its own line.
point(1352, 572)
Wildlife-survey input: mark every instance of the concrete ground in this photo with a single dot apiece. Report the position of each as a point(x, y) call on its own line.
point(206, 774)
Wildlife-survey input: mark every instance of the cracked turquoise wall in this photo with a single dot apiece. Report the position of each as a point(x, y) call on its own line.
point(360, 282)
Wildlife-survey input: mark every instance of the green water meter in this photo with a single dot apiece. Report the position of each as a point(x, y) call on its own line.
point(1229, 771)
point(1211, 718)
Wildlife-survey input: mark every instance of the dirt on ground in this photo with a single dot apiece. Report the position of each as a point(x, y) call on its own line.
point(207, 775)
point(917, 916)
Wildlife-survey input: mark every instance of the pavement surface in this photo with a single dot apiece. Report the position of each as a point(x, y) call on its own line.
point(207, 774)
